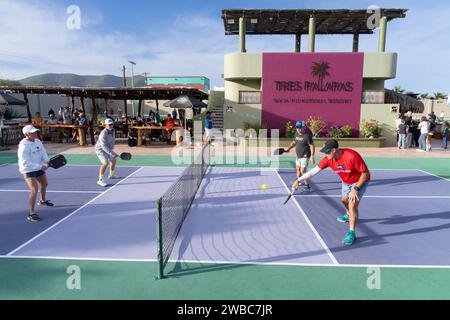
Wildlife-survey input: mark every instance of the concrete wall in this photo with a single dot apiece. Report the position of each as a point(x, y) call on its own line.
point(373, 84)
point(386, 118)
point(380, 65)
point(437, 106)
point(243, 66)
point(241, 112)
point(216, 99)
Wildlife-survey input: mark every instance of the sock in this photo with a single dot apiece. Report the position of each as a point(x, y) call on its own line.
point(111, 173)
point(352, 230)
point(101, 177)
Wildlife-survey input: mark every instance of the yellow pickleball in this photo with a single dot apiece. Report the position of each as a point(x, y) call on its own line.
point(264, 186)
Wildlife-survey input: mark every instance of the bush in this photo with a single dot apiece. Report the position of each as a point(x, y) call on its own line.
point(289, 130)
point(335, 132)
point(347, 130)
point(316, 125)
point(370, 129)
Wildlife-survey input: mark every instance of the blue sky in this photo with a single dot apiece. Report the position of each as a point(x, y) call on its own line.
point(187, 38)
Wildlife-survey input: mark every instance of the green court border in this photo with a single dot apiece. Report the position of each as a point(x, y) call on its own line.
point(29, 278)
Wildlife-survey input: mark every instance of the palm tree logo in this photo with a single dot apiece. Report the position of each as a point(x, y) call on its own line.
point(320, 70)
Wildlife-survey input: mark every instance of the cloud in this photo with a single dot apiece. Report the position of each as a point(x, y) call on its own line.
point(35, 40)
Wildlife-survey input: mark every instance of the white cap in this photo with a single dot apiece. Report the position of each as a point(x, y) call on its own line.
point(29, 129)
point(109, 121)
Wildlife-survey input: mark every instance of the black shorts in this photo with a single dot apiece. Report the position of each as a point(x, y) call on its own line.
point(34, 174)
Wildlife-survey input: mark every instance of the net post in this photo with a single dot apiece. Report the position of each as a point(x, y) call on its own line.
point(159, 238)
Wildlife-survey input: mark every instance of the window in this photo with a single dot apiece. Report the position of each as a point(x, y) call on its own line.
point(373, 96)
point(249, 97)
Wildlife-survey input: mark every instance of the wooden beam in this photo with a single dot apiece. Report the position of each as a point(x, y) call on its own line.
point(139, 108)
point(157, 106)
point(126, 111)
point(93, 118)
point(25, 97)
point(73, 105)
point(83, 109)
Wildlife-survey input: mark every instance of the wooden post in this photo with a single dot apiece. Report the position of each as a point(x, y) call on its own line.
point(157, 105)
point(73, 105)
point(25, 97)
point(82, 106)
point(139, 108)
point(91, 123)
point(82, 136)
point(106, 106)
point(126, 111)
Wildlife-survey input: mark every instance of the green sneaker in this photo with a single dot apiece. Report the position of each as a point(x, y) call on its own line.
point(343, 218)
point(349, 238)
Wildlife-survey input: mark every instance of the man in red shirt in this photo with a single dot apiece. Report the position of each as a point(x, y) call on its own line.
point(355, 175)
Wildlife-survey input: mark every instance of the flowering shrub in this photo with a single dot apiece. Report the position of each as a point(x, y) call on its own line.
point(370, 129)
point(316, 125)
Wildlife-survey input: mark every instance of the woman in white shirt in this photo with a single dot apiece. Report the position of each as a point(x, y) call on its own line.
point(424, 127)
point(33, 162)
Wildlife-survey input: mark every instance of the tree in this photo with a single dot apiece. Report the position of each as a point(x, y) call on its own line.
point(320, 70)
point(399, 89)
point(440, 95)
point(5, 82)
point(424, 96)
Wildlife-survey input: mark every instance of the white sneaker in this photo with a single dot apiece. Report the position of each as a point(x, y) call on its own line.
point(113, 177)
point(101, 183)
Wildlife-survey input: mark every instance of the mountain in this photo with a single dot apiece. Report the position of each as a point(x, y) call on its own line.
point(74, 80)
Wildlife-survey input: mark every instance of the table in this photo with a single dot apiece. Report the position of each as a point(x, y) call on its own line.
point(141, 129)
point(81, 129)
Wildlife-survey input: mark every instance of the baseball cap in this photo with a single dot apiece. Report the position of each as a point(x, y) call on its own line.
point(109, 121)
point(329, 145)
point(29, 129)
point(299, 124)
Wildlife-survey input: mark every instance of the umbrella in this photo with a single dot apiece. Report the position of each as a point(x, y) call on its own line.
point(185, 102)
point(8, 100)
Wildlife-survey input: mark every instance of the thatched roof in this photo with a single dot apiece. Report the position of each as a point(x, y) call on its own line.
point(407, 103)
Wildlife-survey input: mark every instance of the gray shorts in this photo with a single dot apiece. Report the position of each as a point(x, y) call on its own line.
point(104, 157)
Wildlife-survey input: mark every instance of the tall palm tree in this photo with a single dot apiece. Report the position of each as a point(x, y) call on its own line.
point(440, 95)
point(320, 70)
point(399, 89)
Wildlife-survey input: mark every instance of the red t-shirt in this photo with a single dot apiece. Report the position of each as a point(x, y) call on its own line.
point(349, 166)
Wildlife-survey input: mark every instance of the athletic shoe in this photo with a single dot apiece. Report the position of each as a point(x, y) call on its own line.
point(33, 217)
point(101, 183)
point(349, 238)
point(45, 203)
point(343, 218)
point(113, 177)
point(307, 189)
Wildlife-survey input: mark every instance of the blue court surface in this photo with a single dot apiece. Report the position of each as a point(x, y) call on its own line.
point(404, 218)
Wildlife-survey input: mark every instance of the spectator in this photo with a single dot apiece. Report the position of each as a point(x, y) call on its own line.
point(208, 126)
point(52, 119)
point(432, 128)
point(67, 116)
point(174, 114)
point(397, 123)
point(169, 123)
point(51, 112)
point(423, 126)
point(445, 133)
point(402, 132)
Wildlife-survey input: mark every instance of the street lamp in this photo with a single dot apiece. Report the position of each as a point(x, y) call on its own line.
point(132, 82)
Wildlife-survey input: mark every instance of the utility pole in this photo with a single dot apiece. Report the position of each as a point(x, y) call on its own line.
point(124, 77)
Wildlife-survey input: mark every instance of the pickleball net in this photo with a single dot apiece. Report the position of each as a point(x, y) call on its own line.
point(173, 206)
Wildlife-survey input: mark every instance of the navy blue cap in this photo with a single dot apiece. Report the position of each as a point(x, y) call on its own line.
point(329, 146)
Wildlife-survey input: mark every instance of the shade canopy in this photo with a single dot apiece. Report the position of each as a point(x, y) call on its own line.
point(185, 102)
point(8, 100)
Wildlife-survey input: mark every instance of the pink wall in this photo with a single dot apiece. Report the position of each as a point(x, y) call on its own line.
point(291, 92)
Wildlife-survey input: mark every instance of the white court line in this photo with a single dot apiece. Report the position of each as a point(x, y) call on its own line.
point(98, 165)
point(55, 191)
point(71, 214)
point(382, 197)
point(293, 264)
point(333, 259)
point(433, 175)
point(79, 258)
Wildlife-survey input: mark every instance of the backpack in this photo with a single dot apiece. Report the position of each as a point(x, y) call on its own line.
point(132, 142)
